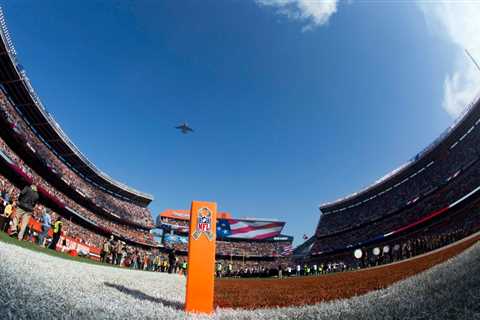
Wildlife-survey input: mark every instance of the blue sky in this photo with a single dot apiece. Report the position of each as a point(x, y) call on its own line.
point(288, 113)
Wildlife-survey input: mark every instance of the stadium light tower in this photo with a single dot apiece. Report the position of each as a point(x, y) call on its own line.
point(473, 59)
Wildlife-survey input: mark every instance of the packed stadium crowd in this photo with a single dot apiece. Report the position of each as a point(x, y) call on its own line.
point(138, 236)
point(11, 222)
point(243, 248)
point(433, 187)
point(418, 185)
point(128, 232)
point(252, 248)
point(447, 229)
point(452, 177)
point(116, 251)
point(458, 187)
point(175, 222)
point(103, 200)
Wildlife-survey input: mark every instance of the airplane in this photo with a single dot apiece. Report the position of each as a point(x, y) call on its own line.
point(184, 128)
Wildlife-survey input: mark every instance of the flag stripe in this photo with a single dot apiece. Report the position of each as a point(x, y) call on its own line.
point(248, 228)
point(241, 229)
point(257, 234)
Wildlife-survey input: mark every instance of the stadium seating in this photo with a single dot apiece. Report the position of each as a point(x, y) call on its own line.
point(244, 248)
point(64, 175)
point(424, 188)
point(86, 235)
point(106, 223)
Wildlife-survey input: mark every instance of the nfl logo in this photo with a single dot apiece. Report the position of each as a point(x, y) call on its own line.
point(204, 224)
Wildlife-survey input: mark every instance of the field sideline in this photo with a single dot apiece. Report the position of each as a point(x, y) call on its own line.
point(259, 293)
point(40, 286)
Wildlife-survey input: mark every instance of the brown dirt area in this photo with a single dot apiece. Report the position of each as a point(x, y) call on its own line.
point(268, 293)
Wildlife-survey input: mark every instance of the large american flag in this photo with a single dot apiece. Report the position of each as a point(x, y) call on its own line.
point(246, 229)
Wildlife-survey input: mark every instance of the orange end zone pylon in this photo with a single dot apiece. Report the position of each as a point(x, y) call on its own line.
point(201, 257)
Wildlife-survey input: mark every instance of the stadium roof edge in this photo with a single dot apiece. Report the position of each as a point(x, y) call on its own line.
point(21, 89)
point(403, 168)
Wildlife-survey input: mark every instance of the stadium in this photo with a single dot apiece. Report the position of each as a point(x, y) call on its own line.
point(426, 203)
point(244, 247)
point(406, 246)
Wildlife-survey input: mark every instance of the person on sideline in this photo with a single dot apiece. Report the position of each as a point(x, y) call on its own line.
point(105, 251)
point(57, 232)
point(46, 222)
point(171, 261)
point(27, 200)
point(8, 214)
point(184, 267)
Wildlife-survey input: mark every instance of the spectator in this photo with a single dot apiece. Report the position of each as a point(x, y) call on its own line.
point(46, 222)
point(118, 252)
point(219, 269)
point(105, 251)
point(7, 216)
point(57, 231)
point(171, 261)
point(184, 267)
point(112, 245)
point(26, 203)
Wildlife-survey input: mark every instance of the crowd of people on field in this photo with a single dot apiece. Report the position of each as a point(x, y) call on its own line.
point(405, 249)
point(436, 235)
point(107, 202)
point(370, 257)
point(17, 208)
point(246, 268)
point(117, 252)
point(20, 206)
point(416, 186)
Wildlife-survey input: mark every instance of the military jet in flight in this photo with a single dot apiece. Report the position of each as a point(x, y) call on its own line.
point(184, 128)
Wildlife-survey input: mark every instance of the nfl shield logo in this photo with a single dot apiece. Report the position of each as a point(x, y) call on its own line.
point(204, 224)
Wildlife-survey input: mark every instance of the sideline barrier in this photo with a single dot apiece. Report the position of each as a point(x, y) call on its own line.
point(201, 257)
point(71, 243)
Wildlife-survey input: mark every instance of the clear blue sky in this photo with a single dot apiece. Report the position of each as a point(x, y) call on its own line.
point(284, 119)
